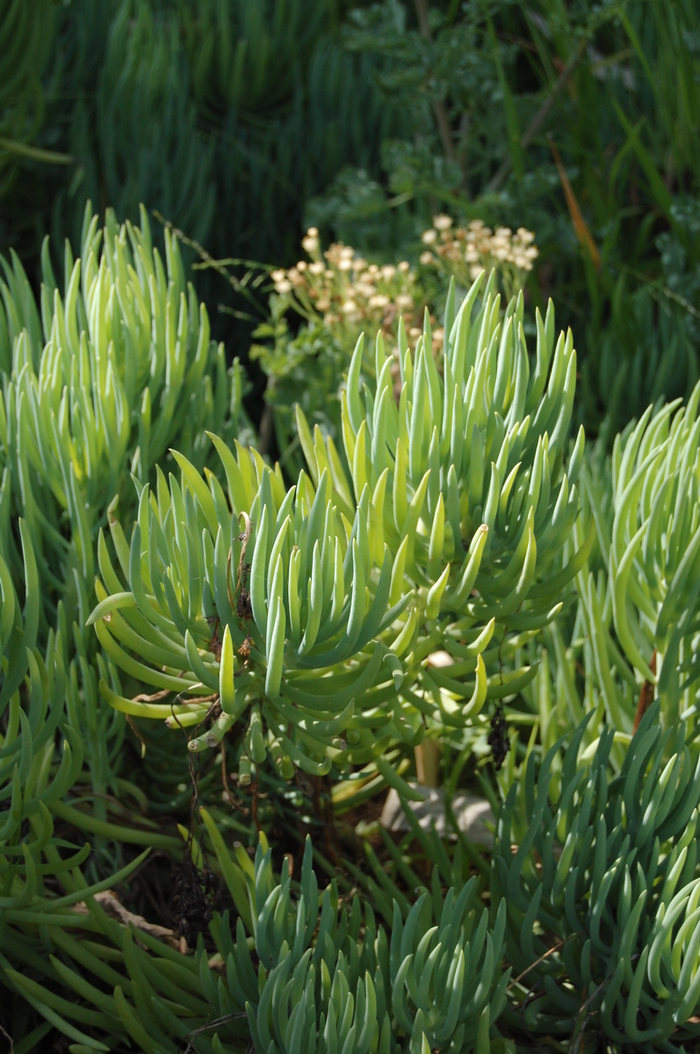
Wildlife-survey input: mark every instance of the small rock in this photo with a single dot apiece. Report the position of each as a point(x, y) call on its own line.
point(474, 815)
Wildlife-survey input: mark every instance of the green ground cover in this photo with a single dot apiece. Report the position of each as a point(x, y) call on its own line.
point(309, 496)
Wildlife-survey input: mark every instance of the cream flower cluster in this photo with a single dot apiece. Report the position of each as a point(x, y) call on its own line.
point(341, 289)
point(345, 290)
point(466, 251)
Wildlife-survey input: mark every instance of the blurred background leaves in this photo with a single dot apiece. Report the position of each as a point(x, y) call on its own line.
point(242, 122)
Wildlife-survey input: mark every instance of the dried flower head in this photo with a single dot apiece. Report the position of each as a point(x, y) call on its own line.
point(345, 291)
point(466, 251)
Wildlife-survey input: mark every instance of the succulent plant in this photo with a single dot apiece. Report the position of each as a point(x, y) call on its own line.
point(97, 385)
point(296, 974)
point(468, 470)
point(460, 549)
point(322, 652)
point(599, 878)
point(654, 562)
point(43, 745)
point(266, 606)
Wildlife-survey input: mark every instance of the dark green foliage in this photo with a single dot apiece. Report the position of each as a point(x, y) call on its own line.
point(602, 891)
point(26, 35)
point(255, 106)
point(491, 94)
point(249, 57)
point(662, 342)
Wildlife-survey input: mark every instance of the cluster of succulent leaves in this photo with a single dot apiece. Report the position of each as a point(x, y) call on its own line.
point(602, 891)
point(96, 383)
point(101, 380)
point(451, 531)
point(463, 552)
